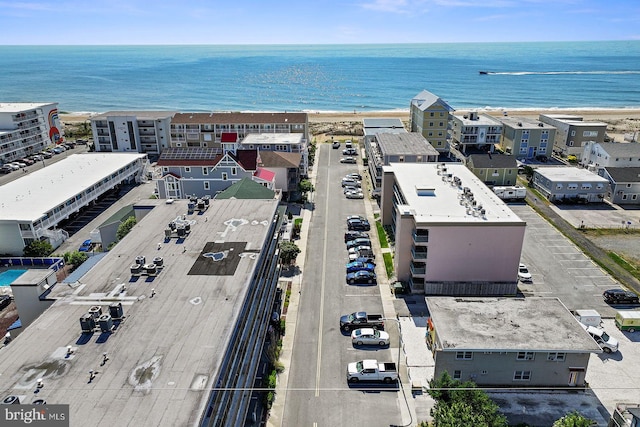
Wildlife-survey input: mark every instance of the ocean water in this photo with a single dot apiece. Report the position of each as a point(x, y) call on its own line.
point(323, 77)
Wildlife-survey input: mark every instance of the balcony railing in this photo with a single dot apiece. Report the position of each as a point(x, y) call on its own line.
point(418, 254)
point(418, 269)
point(420, 238)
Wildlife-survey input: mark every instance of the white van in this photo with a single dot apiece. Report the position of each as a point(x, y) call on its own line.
point(348, 144)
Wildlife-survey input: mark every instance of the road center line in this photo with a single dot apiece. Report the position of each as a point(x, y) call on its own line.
point(322, 281)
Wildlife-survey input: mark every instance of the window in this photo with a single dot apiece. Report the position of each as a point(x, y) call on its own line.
point(573, 133)
point(430, 124)
point(590, 133)
point(600, 186)
point(441, 124)
point(205, 171)
point(522, 375)
point(441, 114)
point(628, 185)
point(524, 355)
point(430, 133)
point(570, 143)
point(431, 114)
point(634, 196)
point(187, 169)
point(572, 186)
point(439, 133)
point(558, 186)
point(206, 185)
point(586, 186)
point(624, 197)
point(457, 374)
point(464, 355)
point(555, 356)
point(224, 176)
point(165, 169)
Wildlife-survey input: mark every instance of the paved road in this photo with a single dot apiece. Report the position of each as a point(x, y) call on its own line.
point(317, 392)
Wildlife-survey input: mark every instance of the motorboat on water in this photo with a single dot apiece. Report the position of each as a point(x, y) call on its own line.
point(484, 72)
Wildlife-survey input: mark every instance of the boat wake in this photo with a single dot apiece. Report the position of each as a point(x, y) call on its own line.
point(542, 73)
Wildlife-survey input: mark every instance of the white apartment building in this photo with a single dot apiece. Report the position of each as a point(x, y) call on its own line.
point(596, 156)
point(453, 235)
point(32, 206)
point(26, 128)
point(473, 132)
point(132, 131)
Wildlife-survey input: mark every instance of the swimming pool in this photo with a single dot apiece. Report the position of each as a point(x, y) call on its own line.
point(9, 276)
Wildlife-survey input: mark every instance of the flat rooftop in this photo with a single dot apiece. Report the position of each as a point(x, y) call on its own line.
point(524, 123)
point(15, 107)
point(164, 356)
point(482, 120)
point(154, 115)
point(494, 324)
point(407, 143)
point(382, 125)
point(571, 119)
point(273, 138)
point(432, 200)
point(569, 173)
point(29, 197)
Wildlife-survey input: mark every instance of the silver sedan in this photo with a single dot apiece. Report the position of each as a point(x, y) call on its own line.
point(369, 336)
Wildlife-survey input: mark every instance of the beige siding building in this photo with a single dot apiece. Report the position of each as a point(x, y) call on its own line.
point(525, 138)
point(430, 117)
point(453, 235)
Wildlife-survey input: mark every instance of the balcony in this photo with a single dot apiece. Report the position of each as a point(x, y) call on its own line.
point(418, 269)
point(419, 253)
point(419, 237)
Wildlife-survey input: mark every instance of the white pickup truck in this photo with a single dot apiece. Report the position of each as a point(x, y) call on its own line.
point(371, 370)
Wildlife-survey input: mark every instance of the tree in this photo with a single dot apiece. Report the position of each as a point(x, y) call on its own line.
point(75, 258)
point(462, 404)
point(125, 227)
point(574, 419)
point(305, 186)
point(38, 248)
point(288, 252)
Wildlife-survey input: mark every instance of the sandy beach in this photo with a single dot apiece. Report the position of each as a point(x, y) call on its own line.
point(619, 121)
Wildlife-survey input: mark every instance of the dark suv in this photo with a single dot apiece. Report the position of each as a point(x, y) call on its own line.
point(620, 296)
point(358, 225)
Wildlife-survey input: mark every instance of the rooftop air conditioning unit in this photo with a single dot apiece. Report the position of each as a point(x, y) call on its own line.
point(87, 323)
point(11, 400)
point(95, 311)
point(115, 310)
point(106, 323)
point(140, 259)
point(136, 269)
point(158, 261)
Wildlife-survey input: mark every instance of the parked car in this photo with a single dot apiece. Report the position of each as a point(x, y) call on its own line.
point(81, 141)
point(360, 319)
point(620, 296)
point(360, 217)
point(348, 188)
point(27, 161)
point(354, 175)
point(360, 241)
point(542, 158)
point(37, 157)
point(12, 166)
point(354, 195)
point(351, 235)
point(365, 252)
point(5, 300)
point(351, 183)
point(607, 343)
point(6, 169)
point(85, 246)
point(369, 336)
point(359, 225)
point(47, 154)
point(354, 266)
point(359, 249)
point(57, 150)
point(361, 276)
point(523, 273)
point(336, 144)
point(351, 160)
point(350, 152)
point(365, 259)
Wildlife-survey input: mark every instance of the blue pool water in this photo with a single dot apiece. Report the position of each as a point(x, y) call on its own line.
point(9, 276)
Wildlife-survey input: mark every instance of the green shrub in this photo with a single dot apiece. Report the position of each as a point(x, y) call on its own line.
point(382, 236)
point(388, 263)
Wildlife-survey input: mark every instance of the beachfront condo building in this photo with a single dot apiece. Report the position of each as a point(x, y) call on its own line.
point(132, 131)
point(430, 117)
point(474, 133)
point(453, 235)
point(26, 128)
point(526, 138)
point(572, 133)
point(404, 147)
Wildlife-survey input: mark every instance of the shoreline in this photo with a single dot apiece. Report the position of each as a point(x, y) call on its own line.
point(330, 116)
